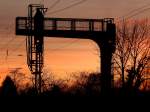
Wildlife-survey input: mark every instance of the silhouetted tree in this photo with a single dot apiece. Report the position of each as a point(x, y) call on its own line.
point(132, 53)
point(86, 84)
point(136, 75)
point(20, 79)
point(8, 87)
point(47, 80)
point(92, 85)
point(123, 48)
point(56, 91)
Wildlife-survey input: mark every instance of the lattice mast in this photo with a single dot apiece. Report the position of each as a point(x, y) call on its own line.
point(35, 42)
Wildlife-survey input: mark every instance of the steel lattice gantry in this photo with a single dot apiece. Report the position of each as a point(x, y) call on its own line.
point(102, 31)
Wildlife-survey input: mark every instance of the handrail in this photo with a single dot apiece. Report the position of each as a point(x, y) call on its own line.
point(75, 24)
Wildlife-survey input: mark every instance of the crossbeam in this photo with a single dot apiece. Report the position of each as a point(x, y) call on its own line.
point(66, 27)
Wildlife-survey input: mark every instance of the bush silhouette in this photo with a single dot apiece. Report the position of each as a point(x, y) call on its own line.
point(86, 85)
point(8, 87)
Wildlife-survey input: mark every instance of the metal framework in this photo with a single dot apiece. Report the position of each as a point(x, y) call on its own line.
point(102, 31)
point(55, 26)
point(34, 42)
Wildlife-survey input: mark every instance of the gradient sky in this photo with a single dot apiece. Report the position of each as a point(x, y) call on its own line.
point(61, 55)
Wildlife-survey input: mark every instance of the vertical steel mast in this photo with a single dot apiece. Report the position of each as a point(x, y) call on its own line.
point(35, 42)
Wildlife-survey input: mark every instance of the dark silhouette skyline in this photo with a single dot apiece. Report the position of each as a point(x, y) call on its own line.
point(101, 31)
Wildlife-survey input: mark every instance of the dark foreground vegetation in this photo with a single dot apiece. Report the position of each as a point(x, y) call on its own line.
point(86, 86)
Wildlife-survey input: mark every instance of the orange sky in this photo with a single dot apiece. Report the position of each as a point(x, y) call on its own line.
point(60, 55)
